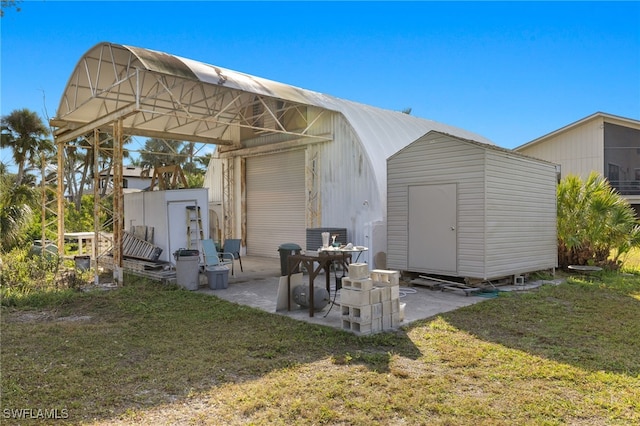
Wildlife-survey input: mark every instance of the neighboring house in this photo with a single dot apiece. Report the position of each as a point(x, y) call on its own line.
point(133, 178)
point(604, 143)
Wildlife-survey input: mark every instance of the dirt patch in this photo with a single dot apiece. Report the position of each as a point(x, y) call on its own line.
point(29, 316)
point(42, 316)
point(74, 318)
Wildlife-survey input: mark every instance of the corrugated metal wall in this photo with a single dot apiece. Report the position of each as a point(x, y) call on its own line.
point(349, 192)
point(213, 180)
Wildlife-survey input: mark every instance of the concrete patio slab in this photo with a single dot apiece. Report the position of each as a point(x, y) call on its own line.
point(257, 286)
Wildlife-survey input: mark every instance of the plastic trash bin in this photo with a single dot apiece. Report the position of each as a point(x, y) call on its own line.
point(187, 268)
point(218, 277)
point(286, 250)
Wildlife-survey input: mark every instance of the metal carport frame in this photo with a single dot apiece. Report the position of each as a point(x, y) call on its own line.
point(126, 91)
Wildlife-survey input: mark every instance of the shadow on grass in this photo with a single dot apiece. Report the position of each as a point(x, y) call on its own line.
point(592, 324)
point(104, 353)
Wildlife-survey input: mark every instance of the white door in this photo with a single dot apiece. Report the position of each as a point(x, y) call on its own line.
point(275, 202)
point(177, 226)
point(432, 228)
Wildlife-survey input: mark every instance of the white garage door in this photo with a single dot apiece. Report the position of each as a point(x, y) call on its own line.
point(275, 202)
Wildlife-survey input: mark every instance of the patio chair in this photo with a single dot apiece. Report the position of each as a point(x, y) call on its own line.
point(233, 246)
point(214, 258)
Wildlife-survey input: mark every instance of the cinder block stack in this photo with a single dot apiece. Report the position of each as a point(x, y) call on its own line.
point(370, 300)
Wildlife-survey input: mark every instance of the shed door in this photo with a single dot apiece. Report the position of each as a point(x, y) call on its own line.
point(432, 228)
point(275, 202)
point(177, 225)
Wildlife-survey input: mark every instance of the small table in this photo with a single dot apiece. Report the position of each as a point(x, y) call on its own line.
point(324, 261)
point(586, 270)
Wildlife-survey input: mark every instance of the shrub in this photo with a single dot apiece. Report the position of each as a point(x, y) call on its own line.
point(593, 220)
point(32, 276)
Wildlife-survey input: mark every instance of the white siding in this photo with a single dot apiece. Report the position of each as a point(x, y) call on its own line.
point(520, 215)
point(437, 158)
point(578, 150)
point(506, 205)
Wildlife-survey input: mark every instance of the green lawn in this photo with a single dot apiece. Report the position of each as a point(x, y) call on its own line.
point(632, 260)
point(148, 354)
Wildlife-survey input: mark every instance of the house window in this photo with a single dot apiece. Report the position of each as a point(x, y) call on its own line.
point(622, 158)
point(613, 173)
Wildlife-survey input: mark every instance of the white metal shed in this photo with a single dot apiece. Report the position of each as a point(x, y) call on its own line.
point(462, 208)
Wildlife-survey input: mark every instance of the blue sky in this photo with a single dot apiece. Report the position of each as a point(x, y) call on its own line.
point(510, 71)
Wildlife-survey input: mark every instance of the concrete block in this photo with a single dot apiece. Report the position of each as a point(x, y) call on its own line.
point(358, 270)
point(376, 311)
point(395, 292)
point(385, 294)
point(351, 297)
point(386, 308)
point(362, 329)
point(385, 276)
point(345, 309)
point(395, 320)
point(395, 306)
point(362, 284)
point(376, 325)
point(518, 280)
point(362, 314)
point(375, 296)
point(386, 322)
point(390, 321)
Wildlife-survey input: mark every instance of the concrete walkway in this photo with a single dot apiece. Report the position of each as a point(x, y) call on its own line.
point(257, 286)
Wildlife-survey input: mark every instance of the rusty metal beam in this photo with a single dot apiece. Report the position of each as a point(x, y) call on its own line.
point(60, 197)
point(118, 201)
point(72, 132)
point(96, 202)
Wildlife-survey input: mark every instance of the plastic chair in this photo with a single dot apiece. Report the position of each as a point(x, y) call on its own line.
point(233, 246)
point(214, 258)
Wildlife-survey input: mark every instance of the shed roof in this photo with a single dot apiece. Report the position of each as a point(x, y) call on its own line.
point(162, 95)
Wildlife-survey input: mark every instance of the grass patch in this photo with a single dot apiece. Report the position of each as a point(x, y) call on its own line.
point(152, 354)
point(631, 261)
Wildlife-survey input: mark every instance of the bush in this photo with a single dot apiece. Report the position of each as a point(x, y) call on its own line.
point(33, 276)
point(593, 221)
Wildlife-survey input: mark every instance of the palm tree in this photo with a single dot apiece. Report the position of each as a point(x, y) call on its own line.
point(24, 132)
point(161, 152)
point(16, 209)
point(593, 221)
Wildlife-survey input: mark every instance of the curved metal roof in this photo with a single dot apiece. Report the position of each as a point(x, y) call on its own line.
point(162, 95)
